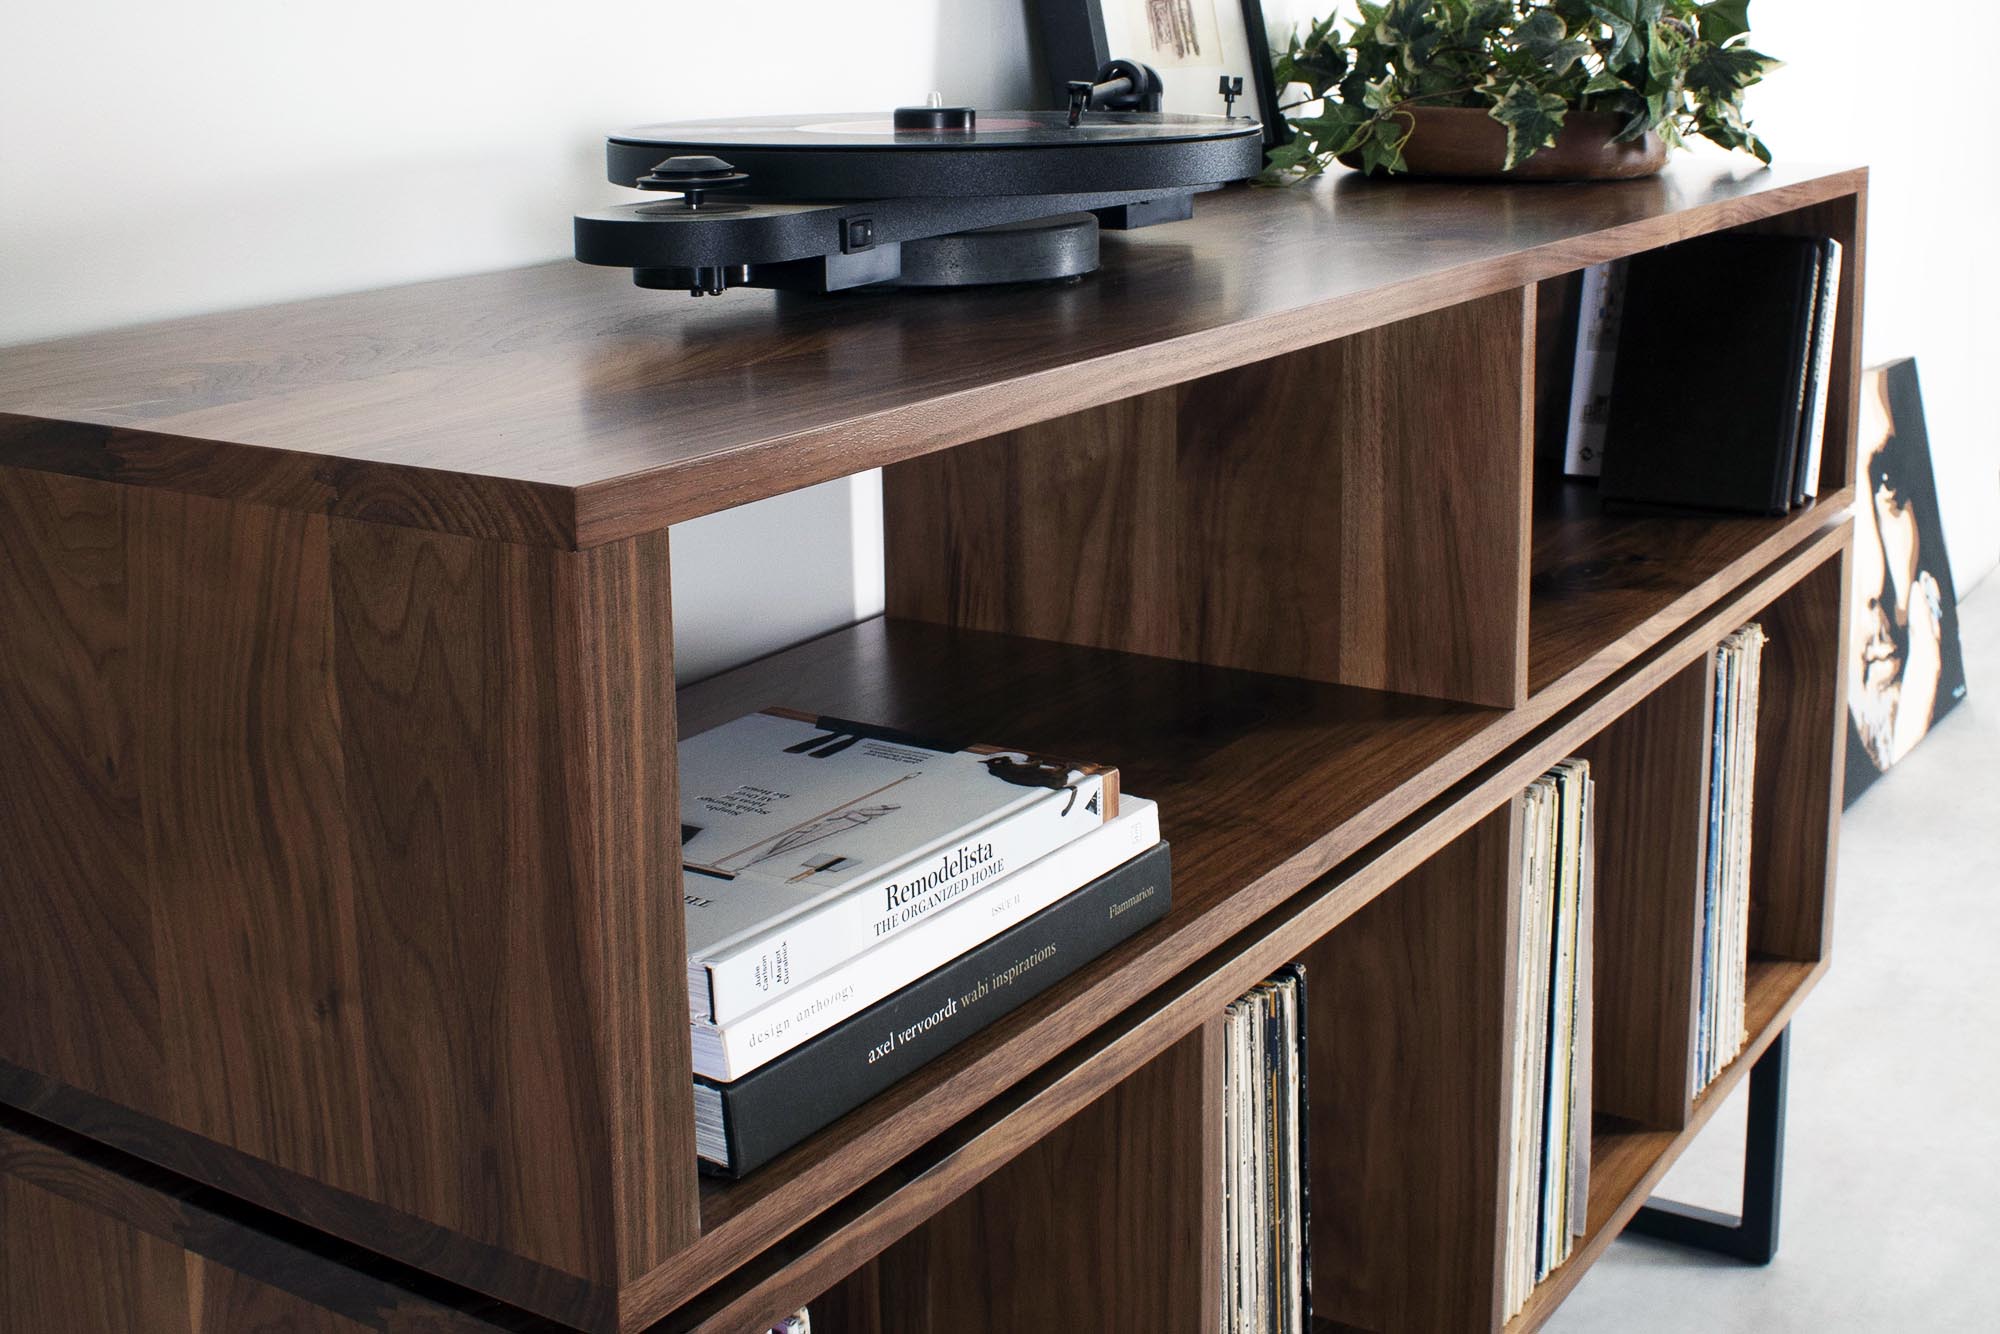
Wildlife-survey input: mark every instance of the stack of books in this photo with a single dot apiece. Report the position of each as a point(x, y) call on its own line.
point(859, 901)
point(1702, 372)
point(1549, 1166)
point(1266, 1266)
point(1720, 1029)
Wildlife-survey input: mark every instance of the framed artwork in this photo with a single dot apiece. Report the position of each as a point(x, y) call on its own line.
point(1904, 666)
point(1193, 44)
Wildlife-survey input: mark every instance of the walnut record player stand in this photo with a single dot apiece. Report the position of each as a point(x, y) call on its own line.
point(340, 956)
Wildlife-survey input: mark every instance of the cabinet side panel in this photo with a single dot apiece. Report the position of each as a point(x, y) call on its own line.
point(79, 986)
point(1651, 772)
point(487, 1094)
point(246, 847)
point(1410, 1035)
point(1110, 1222)
point(340, 873)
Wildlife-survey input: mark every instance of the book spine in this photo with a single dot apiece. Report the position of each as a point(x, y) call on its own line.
point(1600, 305)
point(733, 1050)
point(749, 973)
point(773, 1108)
point(1822, 372)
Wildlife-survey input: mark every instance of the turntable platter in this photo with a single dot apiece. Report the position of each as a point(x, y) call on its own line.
point(1005, 153)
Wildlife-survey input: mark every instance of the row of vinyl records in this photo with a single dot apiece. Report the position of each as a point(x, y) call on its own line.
point(1721, 1016)
point(860, 900)
point(1549, 1163)
point(1748, 323)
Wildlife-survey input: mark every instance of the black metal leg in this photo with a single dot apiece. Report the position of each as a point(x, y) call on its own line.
point(1753, 1237)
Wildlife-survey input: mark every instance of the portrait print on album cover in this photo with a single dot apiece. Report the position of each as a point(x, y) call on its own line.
point(1904, 667)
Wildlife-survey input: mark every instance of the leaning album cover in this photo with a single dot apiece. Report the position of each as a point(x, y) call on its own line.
point(1904, 668)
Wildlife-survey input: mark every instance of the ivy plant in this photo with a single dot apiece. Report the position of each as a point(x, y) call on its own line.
point(1678, 68)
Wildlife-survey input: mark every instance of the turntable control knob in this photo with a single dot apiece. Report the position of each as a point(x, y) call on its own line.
point(692, 177)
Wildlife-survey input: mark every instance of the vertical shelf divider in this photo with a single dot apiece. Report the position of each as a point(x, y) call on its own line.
point(1410, 1038)
point(1801, 766)
point(1651, 774)
point(1355, 512)
point(1115, 1220)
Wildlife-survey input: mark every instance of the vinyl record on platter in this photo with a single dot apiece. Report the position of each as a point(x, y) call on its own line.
point(867, 156)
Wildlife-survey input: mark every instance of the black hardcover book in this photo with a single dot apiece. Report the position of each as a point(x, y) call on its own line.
point(1710, 388)
point(775, 1106)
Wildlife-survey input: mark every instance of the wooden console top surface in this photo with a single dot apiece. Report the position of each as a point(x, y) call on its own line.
point(560, 405)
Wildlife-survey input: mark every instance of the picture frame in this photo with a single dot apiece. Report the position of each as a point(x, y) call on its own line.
point(1192, 43)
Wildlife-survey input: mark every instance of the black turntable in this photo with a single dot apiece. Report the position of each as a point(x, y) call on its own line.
point(929, 196)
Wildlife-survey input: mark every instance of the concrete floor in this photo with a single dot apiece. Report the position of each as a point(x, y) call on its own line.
point(1891, 1214)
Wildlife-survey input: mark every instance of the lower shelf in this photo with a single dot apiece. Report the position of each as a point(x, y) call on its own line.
point(1628, 1162)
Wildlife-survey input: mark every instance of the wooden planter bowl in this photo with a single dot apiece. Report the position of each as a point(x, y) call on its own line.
point(1466, 143)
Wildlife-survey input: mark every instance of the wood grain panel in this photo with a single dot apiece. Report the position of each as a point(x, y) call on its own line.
point(1651, 771)
point(342, 875)
point(84, 998)
point(1080, 1231)
point(67, 1270)
point(488, 1099)
point(1801, 766)
point(1236, 521)
point(1410, 1029)
point(252, 890)
point(93, 1242)
point(1061, 531)
point(561, 405)
point(1436, 428)
point(618, 719)
point(1606, 587)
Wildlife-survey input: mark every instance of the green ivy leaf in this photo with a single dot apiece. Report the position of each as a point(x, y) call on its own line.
point(1533, 120)
point(1723, 20)
point(1541, 33)
point(1630, 22)
point(1720, 72)
point(1382, 150)
point(1338, 129)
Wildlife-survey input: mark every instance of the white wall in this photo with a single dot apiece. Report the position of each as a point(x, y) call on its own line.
point(158, 160)
point(165, 159)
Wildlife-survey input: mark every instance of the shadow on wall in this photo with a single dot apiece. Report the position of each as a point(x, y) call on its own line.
point(764, 576)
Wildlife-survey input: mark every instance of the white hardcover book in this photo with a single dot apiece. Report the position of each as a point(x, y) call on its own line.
point(807, 841)
point(1822, 368)
point(732, 1050)
point(1600, 314)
